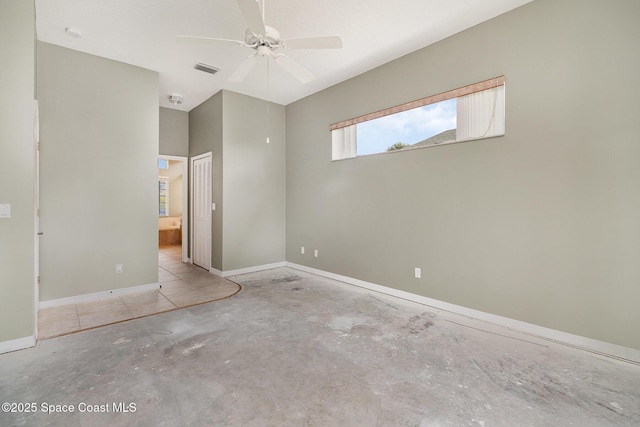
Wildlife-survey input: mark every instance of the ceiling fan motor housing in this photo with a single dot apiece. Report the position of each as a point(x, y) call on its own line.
point(271, 39)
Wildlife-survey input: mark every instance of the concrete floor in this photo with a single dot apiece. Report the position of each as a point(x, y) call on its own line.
point(293, 349)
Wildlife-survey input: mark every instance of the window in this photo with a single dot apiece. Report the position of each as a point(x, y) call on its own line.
point(163, 193)
point(468, 113)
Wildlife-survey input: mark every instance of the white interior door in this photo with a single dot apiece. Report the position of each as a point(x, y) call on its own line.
point(201, 210)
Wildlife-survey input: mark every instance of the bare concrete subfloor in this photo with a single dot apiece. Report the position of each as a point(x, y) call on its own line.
point(293, 349)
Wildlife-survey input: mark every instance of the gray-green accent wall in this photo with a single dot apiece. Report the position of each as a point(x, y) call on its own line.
point(205, 135)
point(17, 44)
point(248, 177)
point(174, 132)
point(541, 225)
point(99, 172)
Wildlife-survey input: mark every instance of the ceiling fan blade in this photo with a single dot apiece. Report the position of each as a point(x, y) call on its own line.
point(253, 16)
point(241, 72)
point(327, 42)
point(295, 69)
point(198, 39)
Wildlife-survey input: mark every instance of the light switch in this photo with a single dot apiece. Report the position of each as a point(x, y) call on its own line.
point(5, 210)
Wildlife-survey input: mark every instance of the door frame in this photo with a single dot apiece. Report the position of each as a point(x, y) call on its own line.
point(36, 216)
point(185, 202)
point(192, 160)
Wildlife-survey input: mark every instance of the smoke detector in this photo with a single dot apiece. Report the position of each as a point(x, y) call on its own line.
point(73, 32)
point(175, 99)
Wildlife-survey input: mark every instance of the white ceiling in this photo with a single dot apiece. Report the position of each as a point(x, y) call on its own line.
point(141, 33)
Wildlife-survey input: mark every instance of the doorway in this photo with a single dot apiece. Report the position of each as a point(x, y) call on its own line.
point(173, 204)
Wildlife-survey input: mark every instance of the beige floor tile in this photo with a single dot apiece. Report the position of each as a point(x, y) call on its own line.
point(57, 313)
point(100, 318)
point(145, 303)
point(186, 299)
point(107, 304)
point(168, 278)
point(171, 263)
point(57, 321)
point(175, 293)
point(212, 284)
point(173, 283)
point(182, 270)
point(102, 312)
point(197, 277)
point(222, 290)
point(175, 288)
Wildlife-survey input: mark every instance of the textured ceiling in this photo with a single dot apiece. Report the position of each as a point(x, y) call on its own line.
point(141, 33)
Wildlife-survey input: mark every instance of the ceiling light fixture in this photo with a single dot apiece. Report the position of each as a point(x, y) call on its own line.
point(175, 99)
point(73, 32)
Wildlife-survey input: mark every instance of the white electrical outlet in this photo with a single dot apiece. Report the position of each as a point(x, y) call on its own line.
point(302, 250)
point(315, 253)
point(418, 273)
point(5, 210)
point(119, 268)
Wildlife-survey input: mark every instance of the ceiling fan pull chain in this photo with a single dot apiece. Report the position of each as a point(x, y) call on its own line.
point(267, 132)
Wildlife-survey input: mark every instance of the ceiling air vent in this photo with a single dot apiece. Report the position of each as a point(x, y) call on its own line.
point(206, 68)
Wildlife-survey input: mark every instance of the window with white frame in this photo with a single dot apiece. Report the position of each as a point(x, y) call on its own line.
point(468, 113)
point(163, 194)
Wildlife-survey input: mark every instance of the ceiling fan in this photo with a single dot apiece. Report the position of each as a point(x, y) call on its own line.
point(266, 41)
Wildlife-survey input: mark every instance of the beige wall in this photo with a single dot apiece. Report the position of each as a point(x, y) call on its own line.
point(17, 170)
point(205, 134)
point(248, 178)
point(254, 182)
point(540, 225)
point(99, 173)
point(174, 132)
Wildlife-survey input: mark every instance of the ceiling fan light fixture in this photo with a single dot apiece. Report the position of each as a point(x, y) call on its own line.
point(263, 52)
point(175, 99)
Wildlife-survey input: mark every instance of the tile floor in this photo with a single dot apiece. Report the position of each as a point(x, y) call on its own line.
point(181, 285)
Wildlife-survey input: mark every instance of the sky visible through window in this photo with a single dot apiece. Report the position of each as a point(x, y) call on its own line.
point(408, 127)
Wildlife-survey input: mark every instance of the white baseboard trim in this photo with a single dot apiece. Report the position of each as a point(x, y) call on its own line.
point(17, 344)
point(248, 269)
point(97, 295)
point(584, 343)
